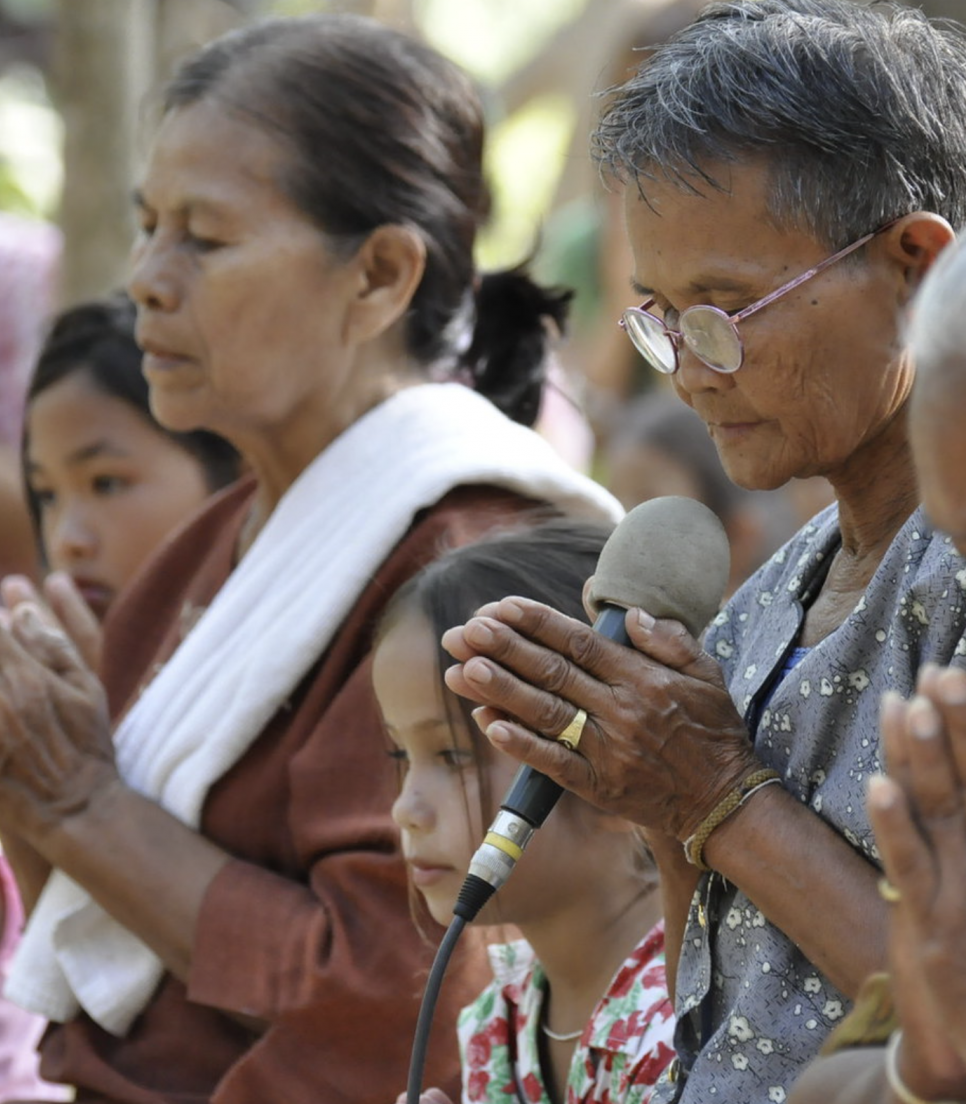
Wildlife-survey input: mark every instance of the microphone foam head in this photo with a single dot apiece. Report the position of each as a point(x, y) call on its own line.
point(670, 556)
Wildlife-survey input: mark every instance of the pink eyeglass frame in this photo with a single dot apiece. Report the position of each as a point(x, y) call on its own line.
point(677, 338)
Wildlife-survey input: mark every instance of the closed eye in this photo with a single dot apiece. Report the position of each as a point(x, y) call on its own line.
point(200, 244)
point(106, 485)
point(457, 759)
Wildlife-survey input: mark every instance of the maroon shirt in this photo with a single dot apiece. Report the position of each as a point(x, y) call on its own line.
point(308, 927)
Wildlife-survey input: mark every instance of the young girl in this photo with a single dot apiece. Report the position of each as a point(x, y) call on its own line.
point(105, 483)
point(578, 1012)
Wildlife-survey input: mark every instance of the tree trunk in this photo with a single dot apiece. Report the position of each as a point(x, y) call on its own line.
point(110, 56)
point(102, 65)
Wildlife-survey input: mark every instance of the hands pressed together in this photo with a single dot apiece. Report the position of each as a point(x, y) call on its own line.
point(663, 743)
point(918, 813)
point(56, 752)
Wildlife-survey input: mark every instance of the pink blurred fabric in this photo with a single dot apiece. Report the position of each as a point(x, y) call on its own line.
point(19, 1030)
point(29, 257)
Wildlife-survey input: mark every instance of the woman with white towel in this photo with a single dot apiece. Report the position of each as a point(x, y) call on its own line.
point(219, 907)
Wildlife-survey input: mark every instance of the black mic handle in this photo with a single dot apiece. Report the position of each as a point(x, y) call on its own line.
point(531, 795)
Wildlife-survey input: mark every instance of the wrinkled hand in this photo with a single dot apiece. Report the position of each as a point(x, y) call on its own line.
point(65, 608)
point(663, 743)
point(56, 752)
point(918, 814)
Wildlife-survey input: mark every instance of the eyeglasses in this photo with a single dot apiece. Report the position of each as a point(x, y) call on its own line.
point(709, 332)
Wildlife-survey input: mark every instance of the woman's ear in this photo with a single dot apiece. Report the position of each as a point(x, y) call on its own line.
point(390, 264)
point(915, 241)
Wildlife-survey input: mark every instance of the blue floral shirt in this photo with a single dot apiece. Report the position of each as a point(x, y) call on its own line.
point(752, 1009)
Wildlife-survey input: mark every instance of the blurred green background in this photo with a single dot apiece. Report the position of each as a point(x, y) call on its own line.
point(75, 74)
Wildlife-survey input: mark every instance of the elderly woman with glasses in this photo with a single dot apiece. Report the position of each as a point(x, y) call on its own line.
point(907, 1032)
point(792, 170)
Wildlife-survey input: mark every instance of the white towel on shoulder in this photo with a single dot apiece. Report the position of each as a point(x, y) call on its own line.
point(264, 630)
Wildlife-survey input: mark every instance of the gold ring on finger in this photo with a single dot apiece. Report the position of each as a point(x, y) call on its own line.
point(888, 892)
point(570, 737)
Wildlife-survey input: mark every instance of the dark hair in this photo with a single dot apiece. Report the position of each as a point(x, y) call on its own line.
point(664, 422)
point(97, 339)
point(548, 560)
point(859, 111)
point(382, 130)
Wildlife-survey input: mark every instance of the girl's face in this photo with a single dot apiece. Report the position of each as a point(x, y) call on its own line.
point(438, 810)
point(109, 486)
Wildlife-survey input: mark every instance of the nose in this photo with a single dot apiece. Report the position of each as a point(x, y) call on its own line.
point(411, 812)
point(71, 538)
point(153, 280)
point(694, 376)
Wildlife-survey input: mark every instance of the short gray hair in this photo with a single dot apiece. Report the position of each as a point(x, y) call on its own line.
point(860, 112)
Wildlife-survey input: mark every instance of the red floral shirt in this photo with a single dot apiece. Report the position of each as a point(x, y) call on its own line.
point(624, 1047)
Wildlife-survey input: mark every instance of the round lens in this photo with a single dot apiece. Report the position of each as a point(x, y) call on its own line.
point(651, 340)
point(710, 335)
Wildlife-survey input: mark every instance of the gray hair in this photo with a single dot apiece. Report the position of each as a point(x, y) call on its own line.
point(859, 111)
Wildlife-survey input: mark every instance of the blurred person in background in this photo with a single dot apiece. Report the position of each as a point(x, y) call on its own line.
point(585, 246)
point(29, 253)
point(659, 446)
point(105, 482)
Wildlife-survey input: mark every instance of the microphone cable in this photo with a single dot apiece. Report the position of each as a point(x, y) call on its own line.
point(474, 894)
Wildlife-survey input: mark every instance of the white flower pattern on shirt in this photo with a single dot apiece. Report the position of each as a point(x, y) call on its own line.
point(752, 1009)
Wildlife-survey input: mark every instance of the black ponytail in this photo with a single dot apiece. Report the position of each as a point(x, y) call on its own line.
point(517, 321)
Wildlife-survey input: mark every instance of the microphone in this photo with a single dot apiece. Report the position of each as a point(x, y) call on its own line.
point(669, 556)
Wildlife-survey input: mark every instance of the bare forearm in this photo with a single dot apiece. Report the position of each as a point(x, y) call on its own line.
point(30, 869)
point(144, 867)
point(808, 881)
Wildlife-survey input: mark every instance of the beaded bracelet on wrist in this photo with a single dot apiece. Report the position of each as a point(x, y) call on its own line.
point(694, 844)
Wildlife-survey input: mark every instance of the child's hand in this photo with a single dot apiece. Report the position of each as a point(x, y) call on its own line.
point(430, 1096)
